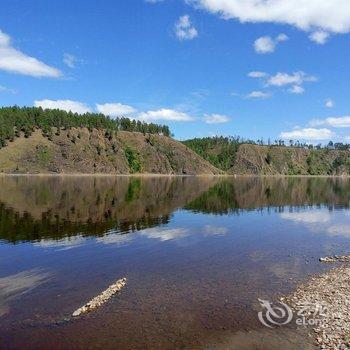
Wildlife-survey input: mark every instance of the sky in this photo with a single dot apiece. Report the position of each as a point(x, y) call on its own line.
point(254, 68)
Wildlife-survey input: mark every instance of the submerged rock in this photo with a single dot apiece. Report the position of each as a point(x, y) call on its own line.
point(336, 258)
point(101, 298)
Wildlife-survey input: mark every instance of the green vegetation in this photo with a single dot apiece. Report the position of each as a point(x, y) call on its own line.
point(329, 159)
point(219, 151)
point(14, 120)
point(317, 164)
point(133, 160)
point(43, 154)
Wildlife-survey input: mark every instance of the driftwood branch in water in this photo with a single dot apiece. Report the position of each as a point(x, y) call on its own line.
point(101, 298)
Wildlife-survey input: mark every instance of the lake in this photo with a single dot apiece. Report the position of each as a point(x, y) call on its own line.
point(198, 252)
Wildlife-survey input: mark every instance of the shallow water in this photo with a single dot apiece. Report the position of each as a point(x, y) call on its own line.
point(197, 252)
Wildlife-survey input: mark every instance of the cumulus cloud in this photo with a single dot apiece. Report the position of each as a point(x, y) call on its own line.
point(329, 103)
point(266, 44)
point(15, 61)
point(307, 134)
point(281, 38)
point(257, 74)
point(296, 89)
point(319, 37)
point(66, 105)
point(165, 114)
point(281, 79)
point(297, 78)
point(307, 15)
point(259, 94)
point(334, 122)
point(184, 30)
point(115, 109)
point(216, 118)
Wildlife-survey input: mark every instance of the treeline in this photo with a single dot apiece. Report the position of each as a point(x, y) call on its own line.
point(14, 120)
point(298, 144)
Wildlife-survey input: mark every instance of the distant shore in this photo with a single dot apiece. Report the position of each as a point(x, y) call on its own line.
point(176, 175)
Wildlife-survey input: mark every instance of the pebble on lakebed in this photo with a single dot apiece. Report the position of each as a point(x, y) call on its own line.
point(101, 298)
point(332, 291)
point(336, 258)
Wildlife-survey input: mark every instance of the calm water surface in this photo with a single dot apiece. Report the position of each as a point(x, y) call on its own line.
point(197, 253)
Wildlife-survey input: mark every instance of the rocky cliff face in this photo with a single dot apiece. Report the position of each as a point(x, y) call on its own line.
point(274, 160)
point(84, 152)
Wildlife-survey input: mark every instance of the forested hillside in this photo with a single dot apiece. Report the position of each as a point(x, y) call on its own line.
point(237, 156)
point(219, 151)
point(14, 120)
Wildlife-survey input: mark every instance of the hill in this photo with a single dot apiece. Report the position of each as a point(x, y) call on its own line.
point(237, 157)
point(81, 151)
point(33, 140)
point(274, 160)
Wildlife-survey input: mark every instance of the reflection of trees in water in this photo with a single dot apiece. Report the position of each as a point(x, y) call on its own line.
point(34, 208)
point(244, 193)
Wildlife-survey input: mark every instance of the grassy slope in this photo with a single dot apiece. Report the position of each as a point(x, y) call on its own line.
point(81, 151)
point(254, 159)
point(274, 160)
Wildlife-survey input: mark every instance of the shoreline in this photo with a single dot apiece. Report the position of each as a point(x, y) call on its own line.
point(174, 175)
point(326, 297)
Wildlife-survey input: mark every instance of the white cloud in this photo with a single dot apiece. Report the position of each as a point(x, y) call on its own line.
point(319, 37)
point(258, 94)
point(184, 29)
point(165, 114)
point(297, 78)
point(115, 109)
point(115, 238)
point(14, 286)
point(334, 122)
point(62, 244)
point(307, 134)
point(311, 217)
point(15, 61)
point(329, 103)
point(329, 16)
point(153, 1)
point(164, 234)
point(69, 60)
point(296, 89)
point(216, 119)
point(266, 44)
point(66, 105)
point(282, 37)
point(257, 74)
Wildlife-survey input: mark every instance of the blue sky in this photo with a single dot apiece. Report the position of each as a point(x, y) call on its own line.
point(204, 67)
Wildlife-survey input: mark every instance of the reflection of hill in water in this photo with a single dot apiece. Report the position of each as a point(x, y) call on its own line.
point(244, 193)
point(33, 208)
